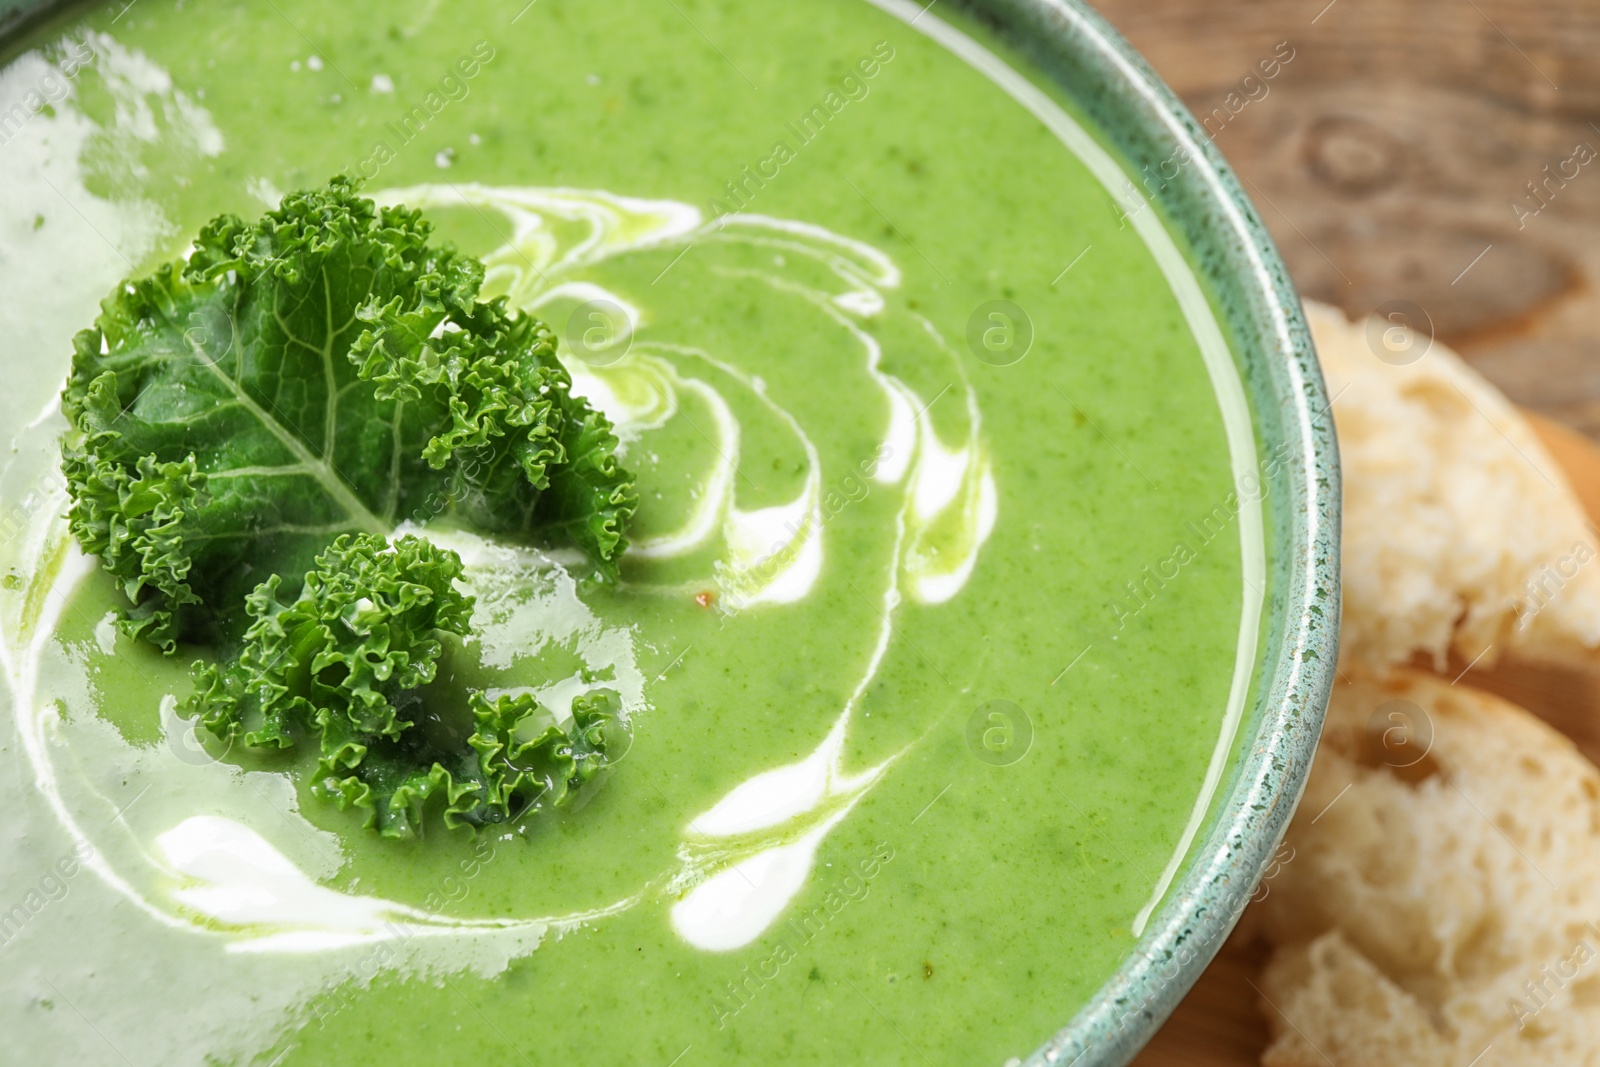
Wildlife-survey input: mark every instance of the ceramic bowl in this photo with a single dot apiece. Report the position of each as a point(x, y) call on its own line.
point(1169, 163)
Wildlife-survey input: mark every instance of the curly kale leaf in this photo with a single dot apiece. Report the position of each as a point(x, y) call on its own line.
point(344, 662)
point(363, 632)
point(324, 370)
point(438, 350)
point(543, 768)
point(251, 424)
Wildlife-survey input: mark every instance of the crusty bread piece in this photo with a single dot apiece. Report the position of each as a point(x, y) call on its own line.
point(1460, 530)
point(1441, 891)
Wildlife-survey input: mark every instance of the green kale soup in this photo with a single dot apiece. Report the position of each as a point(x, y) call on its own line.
point(694, 532)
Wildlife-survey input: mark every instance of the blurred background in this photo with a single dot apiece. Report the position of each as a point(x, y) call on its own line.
point(1444, 153)
point(1403, 141)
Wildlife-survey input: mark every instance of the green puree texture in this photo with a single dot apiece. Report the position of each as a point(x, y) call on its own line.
point(986, 903)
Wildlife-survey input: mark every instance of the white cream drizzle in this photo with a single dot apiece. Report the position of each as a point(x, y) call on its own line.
point(743, 899)
point(752, 886)
point(230, 876)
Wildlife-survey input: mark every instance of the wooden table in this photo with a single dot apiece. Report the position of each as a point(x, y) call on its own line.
point(1387, 155)
point(1392, 158)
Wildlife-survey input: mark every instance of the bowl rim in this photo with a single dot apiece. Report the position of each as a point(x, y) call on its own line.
point(1258, 308)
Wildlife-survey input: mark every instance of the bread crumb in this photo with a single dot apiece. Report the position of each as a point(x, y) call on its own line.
point(1443, 891)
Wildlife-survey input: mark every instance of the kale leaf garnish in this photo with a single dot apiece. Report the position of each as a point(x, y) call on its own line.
point(249, 428)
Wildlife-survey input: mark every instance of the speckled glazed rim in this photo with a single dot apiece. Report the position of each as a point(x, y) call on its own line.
point(1134, 113)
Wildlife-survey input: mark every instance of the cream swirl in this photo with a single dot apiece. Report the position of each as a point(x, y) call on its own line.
point(567, 251)
point(698, 411)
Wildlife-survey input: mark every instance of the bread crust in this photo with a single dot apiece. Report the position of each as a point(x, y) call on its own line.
point(1461, 533)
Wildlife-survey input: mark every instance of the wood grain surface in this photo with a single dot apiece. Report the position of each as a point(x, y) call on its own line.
point(1397, 146)
point(1400, 160)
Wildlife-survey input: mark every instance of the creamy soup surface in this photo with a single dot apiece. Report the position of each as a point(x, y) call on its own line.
point(928, 641)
